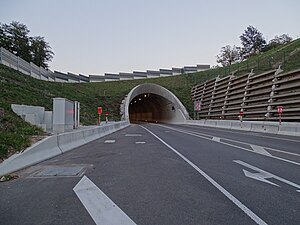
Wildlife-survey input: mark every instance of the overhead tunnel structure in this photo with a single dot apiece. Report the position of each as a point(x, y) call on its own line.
point(153, 103)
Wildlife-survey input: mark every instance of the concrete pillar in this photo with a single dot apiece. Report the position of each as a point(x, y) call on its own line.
point(63, 115)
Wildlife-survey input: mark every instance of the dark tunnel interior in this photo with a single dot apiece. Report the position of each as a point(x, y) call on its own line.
point(149, 107)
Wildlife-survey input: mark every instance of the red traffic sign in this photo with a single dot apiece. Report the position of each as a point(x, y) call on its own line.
point(279, 109)
point(99, 110)
point(241, 113)
point(197, 106)
point(106, 113)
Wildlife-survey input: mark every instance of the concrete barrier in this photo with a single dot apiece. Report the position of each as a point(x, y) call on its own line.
point(289, 129)
point(68, 141)
point(210, 123)
point(286, 128)
point(56, 145)
point(271, 127)
point(226, 124)
point(257, 127)
point(40, 151)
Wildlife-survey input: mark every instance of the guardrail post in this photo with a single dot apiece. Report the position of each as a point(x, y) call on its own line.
point(246, 91)
point(213, 95)
point(226, 95)
point(269, 108)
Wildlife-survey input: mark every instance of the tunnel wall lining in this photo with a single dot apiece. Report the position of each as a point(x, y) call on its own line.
point(181, 115)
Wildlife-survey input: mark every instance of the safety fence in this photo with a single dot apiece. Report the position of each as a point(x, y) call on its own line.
point(264, 96)
point(9, 59)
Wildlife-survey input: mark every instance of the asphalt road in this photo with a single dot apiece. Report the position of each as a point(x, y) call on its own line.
point(163, 175)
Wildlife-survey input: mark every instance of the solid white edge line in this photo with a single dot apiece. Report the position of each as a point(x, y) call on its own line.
point(100, 207)
point(244, 208)
point(192, 133)
point(252, 133)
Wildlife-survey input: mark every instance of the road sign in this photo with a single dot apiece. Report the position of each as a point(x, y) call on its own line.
point(279, 109)
point(241, 113)
point(197, 106)
point(106, 113)
point(99, 110)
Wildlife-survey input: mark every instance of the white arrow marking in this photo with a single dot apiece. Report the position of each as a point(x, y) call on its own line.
point(263, 175)
point(259, 176)
point(101, 208)
point(109, 141)
point(260, 150)
point(217, 139)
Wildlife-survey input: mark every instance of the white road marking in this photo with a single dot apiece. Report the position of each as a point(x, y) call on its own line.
point(260, 150)
point(196, 134)
point(239, 204)
point(133, 135)
point(140, 142)
point(262, 175)
point(109, 141)
point(100, 207)
point(217, 139)
point(250, 133)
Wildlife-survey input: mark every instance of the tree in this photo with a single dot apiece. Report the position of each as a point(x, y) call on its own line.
point(253, 42)
point(41, 51)
point(15, 38)
point(229, 55)
point(20, 45)
point(277, 41)
point(5, 41)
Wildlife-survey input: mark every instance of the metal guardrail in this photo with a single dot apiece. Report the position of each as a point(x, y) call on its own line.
point(250, 96)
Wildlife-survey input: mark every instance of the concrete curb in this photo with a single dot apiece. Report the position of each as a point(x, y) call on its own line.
point(286, 128)
point(57, 145)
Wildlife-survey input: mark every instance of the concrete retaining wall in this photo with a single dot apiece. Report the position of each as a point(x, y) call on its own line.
point(285, 128)
point(56, 145)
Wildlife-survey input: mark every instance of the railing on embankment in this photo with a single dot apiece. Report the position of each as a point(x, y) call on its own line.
point(252, 96)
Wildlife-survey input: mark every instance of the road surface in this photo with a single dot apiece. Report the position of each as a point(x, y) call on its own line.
point(152, 174)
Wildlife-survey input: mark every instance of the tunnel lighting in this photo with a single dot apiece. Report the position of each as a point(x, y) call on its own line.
point(145, 95)
point(140, 99)
point(134, 101)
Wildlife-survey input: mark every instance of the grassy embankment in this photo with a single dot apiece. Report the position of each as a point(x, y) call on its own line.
point(17, 88)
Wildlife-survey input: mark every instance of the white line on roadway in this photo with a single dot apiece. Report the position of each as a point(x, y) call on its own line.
point(246, 133)
point(100, 207)
point(109, 141)
point(262, 175)
point(239, 204)
point(260, 150)
point(235, 146)
point(133, 135)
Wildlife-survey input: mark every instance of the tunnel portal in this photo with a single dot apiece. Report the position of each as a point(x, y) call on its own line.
point(153, 103)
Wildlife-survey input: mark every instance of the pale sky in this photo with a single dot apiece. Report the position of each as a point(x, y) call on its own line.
point(97, 36)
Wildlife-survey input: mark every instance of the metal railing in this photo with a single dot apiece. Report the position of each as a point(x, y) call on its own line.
point(250, 96)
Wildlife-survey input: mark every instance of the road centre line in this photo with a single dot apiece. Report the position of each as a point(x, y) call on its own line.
point(250, 134)
point(235, 146)
point(239, 204)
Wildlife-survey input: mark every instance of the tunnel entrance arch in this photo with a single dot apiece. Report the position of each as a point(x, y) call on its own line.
point(153, 103)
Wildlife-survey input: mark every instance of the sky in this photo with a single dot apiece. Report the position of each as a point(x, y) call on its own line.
point(112, 36)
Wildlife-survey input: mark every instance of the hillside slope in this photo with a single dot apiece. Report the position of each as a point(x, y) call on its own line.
point(17, 88)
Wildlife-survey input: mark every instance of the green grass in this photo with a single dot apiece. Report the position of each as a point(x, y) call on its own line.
point(17, 88)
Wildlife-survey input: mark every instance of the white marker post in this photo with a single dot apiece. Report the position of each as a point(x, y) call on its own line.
point(279, 110)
